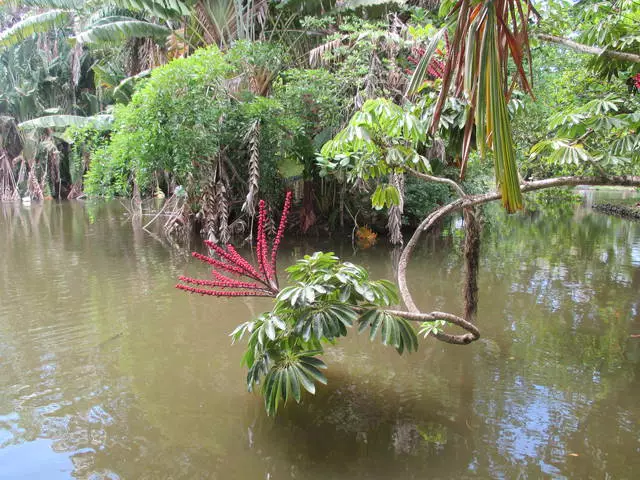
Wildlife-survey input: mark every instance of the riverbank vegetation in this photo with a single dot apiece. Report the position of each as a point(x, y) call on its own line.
point(220, 101)
point(390, 114)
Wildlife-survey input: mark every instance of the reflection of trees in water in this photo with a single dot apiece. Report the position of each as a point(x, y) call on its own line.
point(360, 429)
point(69, 284)
point(557, 373)
point(567, 288)
point(558, 298)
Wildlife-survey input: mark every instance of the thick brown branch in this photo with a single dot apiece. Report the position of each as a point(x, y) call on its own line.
point(582, 48)
point(431, 178)
point(471, 201)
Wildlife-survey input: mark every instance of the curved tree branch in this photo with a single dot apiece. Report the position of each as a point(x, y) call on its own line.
point(464, 339)
point(582, 48)
point(472, 201)
point(431, 178)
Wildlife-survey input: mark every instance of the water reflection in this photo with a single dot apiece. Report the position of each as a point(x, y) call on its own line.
point(107, 372)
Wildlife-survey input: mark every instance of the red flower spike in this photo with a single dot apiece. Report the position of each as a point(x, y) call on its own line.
point(229, 283)
point(261, 243)
point(239, 260)
point(231, 261)
point(235, 259)
point(219, 293)
point(283, 224)
point(218, 263)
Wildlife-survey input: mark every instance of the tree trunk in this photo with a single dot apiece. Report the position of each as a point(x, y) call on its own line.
point(471, 260)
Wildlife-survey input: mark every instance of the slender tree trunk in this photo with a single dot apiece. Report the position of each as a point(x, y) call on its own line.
point(471, 260)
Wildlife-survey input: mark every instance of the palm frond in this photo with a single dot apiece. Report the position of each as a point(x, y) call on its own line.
point(493, 123)
point(116, 32)
point(70, 5)
point(316, 55)
point(162, 9)
point(64, 121)
point(487, 36)
point(42, 22)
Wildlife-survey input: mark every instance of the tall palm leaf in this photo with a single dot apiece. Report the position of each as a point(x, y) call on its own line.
point(488, 35)
point(122, 29)
point(28, 26)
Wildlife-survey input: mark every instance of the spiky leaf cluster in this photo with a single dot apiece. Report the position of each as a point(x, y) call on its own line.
point(326, 297)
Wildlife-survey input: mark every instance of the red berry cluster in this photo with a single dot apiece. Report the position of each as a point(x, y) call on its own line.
point(436, 66)
point(229, 260)
point(636, 81)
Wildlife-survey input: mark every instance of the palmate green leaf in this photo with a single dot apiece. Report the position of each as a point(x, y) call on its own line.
point(60, 122)
point(562, 151)
point(385, 292)
point(603, 123)
point(301, 294)
point(259, 368)
point(394, 331)
point(118, 31)
point(600, 106)
point(385, 196)
point(566, 119)
point(626, 145)
point(284, 380)
point(427, 328)
point(266, 327)
point(328, 321)
point(42, 22)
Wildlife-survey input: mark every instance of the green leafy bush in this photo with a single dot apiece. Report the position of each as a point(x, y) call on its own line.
point(193, 111)
point(171, 124)
point(325, 299)
point(421, 197)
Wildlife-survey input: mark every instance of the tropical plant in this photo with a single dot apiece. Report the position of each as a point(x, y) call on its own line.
point(607, 31)
point(326, 298)
point(487, 36)
point(601, 133)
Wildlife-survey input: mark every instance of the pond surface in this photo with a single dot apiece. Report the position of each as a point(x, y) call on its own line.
point(108, 372)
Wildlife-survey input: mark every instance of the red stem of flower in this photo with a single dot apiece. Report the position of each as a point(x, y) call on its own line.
point(225, 293)
point(233, 257)
point(281, 228)
point(261, 243)
point(218, 264)
point(228, 283)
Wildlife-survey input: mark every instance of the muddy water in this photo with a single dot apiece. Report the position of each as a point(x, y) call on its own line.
point(108, 372)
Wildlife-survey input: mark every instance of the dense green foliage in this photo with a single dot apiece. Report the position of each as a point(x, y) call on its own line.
point(171, 121)
point(326, 298)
